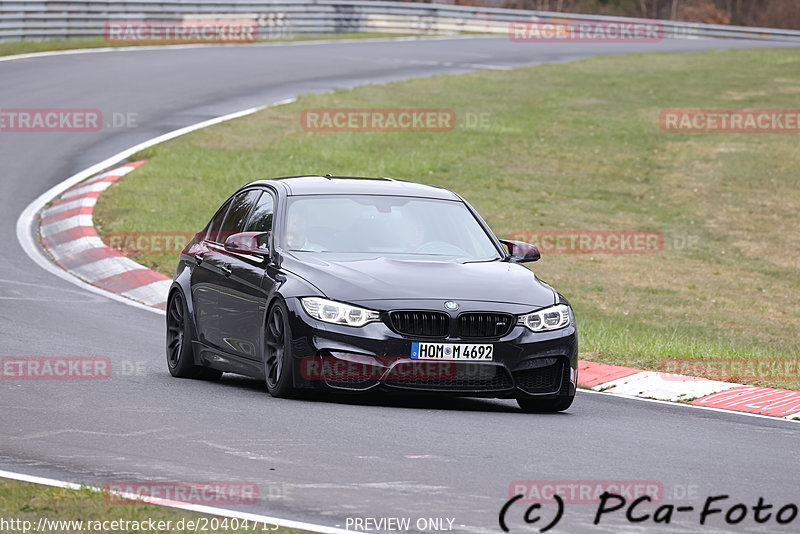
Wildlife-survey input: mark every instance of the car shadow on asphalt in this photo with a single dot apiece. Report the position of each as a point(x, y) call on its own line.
point(381, 399)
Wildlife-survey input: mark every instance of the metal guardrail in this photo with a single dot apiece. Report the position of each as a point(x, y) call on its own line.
point(64, 19)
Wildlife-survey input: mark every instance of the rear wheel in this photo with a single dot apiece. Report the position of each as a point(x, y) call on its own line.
point(559, 404)
point(180, 355)
point(278, 368)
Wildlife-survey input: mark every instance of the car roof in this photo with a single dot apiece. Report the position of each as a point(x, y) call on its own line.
point(351, 185)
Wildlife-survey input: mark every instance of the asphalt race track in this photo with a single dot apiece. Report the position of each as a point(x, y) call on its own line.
point(328, 459)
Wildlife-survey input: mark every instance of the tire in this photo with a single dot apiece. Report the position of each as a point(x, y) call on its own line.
point(180, 355)
point(278, 367)
point(559, 404)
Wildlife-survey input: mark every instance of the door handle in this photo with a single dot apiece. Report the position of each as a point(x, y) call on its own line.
point(225, 270)
point(198, 259)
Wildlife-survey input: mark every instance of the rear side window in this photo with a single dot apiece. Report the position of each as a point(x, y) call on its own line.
point(261, 219)
point(236, 215)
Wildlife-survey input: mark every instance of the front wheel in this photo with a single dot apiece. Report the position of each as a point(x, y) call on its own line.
point(180, 355)
point(278, 368)
point(559, 404)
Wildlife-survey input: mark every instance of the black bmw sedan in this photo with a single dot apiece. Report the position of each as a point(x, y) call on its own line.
point(361, 284)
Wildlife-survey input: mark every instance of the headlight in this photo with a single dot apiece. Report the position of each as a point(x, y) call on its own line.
point(337, 312)
point(551, 318)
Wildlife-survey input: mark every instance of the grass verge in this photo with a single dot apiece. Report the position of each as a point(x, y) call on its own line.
point(561, 147)
point(77, 511)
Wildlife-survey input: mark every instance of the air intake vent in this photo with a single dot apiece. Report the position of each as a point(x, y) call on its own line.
point(451, 376)
point(543, 379)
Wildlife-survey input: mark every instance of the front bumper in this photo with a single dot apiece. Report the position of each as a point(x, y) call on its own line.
point(375, 357)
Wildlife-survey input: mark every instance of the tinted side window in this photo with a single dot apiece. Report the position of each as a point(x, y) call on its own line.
point(261, 219)
point(216, 222)
point(237, 214)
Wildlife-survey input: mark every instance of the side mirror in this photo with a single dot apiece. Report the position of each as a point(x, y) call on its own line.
point(521, 252)
point(248, 243)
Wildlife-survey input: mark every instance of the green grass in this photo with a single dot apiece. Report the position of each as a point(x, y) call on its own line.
point(27, 47)
point(570, 146)
point(23, 501)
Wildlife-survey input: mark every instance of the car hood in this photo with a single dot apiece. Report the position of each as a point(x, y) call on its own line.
point(352, 280)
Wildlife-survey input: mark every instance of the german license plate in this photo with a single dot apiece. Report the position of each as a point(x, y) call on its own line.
point(452, 351)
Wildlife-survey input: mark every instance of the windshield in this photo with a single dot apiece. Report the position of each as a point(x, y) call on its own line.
point(442, 230)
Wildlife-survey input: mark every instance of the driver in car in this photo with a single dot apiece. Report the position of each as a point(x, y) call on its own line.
point(297, 236)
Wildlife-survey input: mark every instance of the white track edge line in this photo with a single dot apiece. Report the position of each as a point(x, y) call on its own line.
point(199, 508)
point(25, 222)
point(25, 237)
point(685, 405)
